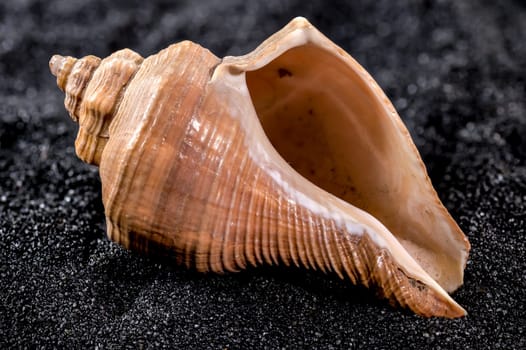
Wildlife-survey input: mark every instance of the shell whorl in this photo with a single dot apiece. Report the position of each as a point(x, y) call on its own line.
point(93, 89)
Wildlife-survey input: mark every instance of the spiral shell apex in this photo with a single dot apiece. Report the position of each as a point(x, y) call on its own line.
point(291, 154)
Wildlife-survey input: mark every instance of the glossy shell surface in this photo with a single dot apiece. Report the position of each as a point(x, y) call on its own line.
point(291, 154)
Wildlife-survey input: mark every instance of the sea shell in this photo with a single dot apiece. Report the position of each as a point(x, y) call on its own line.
point(290, 154)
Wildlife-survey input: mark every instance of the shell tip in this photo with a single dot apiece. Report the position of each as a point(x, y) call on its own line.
point(60, 67)
point(55, 63)
point(300, 21)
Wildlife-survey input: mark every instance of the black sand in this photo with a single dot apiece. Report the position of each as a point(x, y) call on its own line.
point(455, 70)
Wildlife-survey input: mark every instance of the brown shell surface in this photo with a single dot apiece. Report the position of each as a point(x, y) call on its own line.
point(288, 155)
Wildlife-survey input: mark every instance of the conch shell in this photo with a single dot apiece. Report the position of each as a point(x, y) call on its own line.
point(290, 154)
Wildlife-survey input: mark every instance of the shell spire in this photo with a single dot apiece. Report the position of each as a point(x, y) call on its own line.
point(291, 154)
point(93, 90)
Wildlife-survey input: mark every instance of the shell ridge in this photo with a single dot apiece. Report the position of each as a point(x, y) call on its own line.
point(178, 137)
point(308, 241)
point(216, 187)
point(258, 234)
point(320, 246)
point(229, 246)
point(335, 252)
point(211, 221)
point(288, 227)
point(296, 214)
point(77, 81)
point(251, 228)
point(242, 229)
point(99, 109)
point(266, 242)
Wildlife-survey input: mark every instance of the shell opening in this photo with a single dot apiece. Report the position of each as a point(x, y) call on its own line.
point(333, 124)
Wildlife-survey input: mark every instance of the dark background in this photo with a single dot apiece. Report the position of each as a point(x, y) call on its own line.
point(455, 71)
